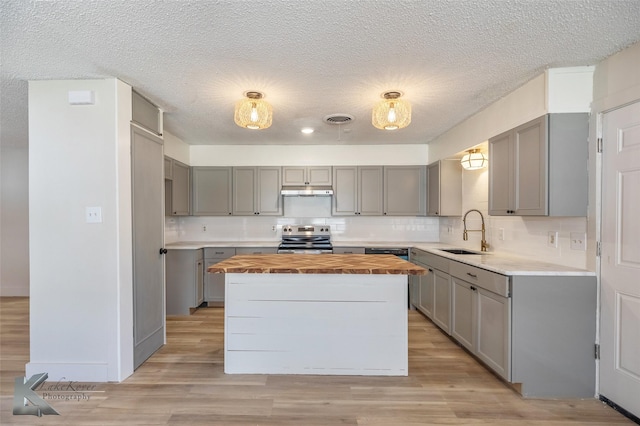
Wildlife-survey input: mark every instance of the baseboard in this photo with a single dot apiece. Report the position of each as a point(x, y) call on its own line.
point(94, 373)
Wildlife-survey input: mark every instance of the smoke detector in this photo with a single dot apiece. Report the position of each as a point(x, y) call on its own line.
point(338, 118)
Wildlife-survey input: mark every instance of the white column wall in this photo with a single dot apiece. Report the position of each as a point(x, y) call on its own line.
point(80, 280)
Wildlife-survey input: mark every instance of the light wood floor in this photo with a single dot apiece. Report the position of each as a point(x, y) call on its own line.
point(184, 384)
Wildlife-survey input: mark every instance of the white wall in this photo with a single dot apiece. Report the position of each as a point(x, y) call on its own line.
point(309, 155)
point(175, 148)
point(78, 326)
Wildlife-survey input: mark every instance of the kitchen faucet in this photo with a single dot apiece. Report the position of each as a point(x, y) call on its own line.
point(465, 236)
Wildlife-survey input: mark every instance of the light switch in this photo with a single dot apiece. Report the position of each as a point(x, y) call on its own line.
point(94, 214)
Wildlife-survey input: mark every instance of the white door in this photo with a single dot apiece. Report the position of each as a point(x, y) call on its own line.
point(620, 261)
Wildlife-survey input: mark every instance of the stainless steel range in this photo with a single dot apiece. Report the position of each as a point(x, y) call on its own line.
point(305, 239)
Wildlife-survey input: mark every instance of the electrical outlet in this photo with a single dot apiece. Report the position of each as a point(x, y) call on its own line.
point(578, 241)
point(93, 215)
point(273, 228)
point(204, 228)
point(501, 234)
point(552, 239)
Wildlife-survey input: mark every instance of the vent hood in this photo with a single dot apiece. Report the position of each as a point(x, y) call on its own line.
point(307, 191)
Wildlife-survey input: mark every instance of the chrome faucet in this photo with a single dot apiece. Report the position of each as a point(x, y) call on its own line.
point(465, 236)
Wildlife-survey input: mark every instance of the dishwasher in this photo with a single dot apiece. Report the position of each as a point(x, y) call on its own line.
point(402, 253)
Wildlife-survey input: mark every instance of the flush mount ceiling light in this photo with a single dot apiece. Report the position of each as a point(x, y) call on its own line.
point(253, 112)
point(474, 160)
point(391, 113)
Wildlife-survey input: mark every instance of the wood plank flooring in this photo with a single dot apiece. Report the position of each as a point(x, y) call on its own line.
point(184, 384)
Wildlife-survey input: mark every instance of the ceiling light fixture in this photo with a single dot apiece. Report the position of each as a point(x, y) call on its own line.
point(307, 130)
point(391, 113)
point(253, 112)
point(474, 160)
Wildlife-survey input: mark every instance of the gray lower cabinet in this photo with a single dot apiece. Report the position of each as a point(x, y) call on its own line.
point(256, 191)
point(177, 184)
point(482, 318)
point(358, 190)
point(211, 191)
point(404, 191)
point(435, 288)
point(184, 281)
point(540, 168)
point(535, 331)
point(214, 283)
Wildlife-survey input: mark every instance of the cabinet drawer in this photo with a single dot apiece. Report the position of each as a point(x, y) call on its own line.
point(256, 250)
point(433, 260)
point(218, 252)
point(488, 280)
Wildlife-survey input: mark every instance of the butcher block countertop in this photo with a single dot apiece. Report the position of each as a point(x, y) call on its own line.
point(316, 264)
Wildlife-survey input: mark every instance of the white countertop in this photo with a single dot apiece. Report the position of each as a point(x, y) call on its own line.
point(502, 263)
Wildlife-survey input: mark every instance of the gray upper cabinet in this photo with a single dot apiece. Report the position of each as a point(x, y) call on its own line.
point(444, 188)
point(540, 167)
point(306, 175)
point(146, 114)
point(256, 191)
point(357, 190)
point(404, 191)
point(177, 188)
point(211, 191)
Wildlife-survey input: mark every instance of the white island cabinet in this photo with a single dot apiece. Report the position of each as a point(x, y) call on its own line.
point(300, 314)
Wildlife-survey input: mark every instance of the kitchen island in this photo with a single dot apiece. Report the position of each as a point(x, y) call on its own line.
point(316, 314)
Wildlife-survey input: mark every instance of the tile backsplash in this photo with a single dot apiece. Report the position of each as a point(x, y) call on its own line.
point(524, 236)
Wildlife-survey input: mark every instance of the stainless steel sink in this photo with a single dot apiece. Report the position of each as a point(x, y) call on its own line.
point(459, 251)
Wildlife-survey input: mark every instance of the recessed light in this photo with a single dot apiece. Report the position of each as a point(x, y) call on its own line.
point(307, 130)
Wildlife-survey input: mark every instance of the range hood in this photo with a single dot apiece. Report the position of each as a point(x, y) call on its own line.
point(307, 191)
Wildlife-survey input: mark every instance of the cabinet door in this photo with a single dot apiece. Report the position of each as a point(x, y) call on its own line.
point(168, 170)
point(433, 189)
point(211, 191)
point(530, 149)
point(464, 312)
point(442, 300)
point(500, 175)
point(199, 283)
point(180, 189)
point(244, 191)
point(370, 184)
point(404, 190)
point(427, 292)
point(293, 175)
point(494, 331)
point(319, 175)
point(345, 186)
point(213, 284)
point(269, 200)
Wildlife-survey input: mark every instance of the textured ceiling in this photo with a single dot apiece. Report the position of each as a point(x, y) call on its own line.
point(310, 57)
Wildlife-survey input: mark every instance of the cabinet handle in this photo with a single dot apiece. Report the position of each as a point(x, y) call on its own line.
point(430, 270)
point(163, 251)
point(473, 288)
point(219, 252)
point(472, 275)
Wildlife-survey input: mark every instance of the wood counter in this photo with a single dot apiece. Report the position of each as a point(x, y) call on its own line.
point(316, 264)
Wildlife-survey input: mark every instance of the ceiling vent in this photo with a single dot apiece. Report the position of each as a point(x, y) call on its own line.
point(338, 118)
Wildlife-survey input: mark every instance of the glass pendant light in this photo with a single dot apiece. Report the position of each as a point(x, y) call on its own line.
point(474, 160)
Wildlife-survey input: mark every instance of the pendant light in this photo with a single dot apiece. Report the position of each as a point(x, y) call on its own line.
point(474, 160)
point(253, 112)
point(391, 113)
